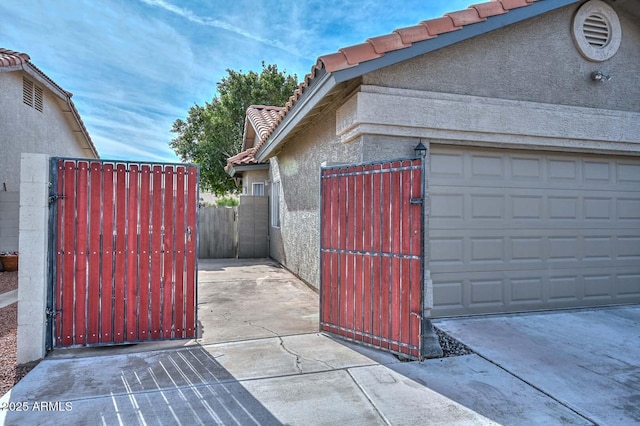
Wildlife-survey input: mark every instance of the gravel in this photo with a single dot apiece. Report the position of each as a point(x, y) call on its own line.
point(10, 373)
point(450, 346)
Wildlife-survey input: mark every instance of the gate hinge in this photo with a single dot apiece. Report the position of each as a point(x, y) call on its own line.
point(56, 197)
point(416, 201)
point(52, 313)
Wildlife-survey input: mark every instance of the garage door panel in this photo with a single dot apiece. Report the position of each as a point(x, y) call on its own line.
point(515, 231)
point(528, 290)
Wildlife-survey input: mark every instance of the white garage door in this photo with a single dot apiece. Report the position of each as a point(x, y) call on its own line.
point(514, 231)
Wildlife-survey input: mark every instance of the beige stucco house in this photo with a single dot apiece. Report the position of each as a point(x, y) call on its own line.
point(530, 112)
point(36, 116)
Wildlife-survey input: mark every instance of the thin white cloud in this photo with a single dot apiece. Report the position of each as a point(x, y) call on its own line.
point(217, 23)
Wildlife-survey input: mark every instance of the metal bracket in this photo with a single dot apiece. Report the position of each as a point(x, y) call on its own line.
point(420, 355)
point(416, 201)
point(51, 313)
point(56, 197)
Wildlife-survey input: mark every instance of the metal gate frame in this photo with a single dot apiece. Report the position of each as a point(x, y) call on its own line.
point(353, 256)
point(90, 291)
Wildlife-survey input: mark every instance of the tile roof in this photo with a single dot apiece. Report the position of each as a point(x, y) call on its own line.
point(377, 47)
point(244, 158)
point(10, 58)
point(262, 118)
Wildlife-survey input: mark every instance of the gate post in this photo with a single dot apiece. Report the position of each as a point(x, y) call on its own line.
point(33, 246)
point(430, 344)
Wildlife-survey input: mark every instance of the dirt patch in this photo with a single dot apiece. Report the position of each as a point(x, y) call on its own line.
point(10, 373)
point(8, 281)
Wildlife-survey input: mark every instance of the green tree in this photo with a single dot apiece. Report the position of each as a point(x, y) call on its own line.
point(213, 132)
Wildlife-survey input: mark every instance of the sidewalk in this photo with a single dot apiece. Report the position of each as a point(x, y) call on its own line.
point(8, 298)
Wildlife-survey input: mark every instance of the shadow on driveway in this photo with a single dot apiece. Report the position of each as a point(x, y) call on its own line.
point(184, 386)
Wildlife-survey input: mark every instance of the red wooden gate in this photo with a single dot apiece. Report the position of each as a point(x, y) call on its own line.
point(371, 254)
point(124, 252)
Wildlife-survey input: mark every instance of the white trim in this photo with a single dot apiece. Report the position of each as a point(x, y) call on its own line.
point(275, 204)
point(259, 185)
point(487, 121)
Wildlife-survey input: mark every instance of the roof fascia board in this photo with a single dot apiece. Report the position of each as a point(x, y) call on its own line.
point(309, 99)
point(247, 168)
point(443, 40)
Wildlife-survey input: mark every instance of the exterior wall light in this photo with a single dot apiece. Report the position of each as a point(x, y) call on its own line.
point(420, 150)
point(600, 77)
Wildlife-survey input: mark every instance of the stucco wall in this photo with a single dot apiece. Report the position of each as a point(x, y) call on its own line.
point(535, 60)
point(254, 176)
point(9, 218)
point(296, 243)
point(27, 130)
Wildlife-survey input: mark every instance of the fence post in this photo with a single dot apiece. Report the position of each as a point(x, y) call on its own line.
point(32, 267)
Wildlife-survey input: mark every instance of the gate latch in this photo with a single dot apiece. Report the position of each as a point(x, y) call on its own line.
point(56, 197)
point(52, 313)
point(416, 201)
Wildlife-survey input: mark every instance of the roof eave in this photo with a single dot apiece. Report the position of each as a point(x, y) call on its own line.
point(307, 101)
point(233, 170)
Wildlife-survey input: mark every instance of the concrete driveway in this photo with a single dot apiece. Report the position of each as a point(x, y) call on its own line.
point(260, 360)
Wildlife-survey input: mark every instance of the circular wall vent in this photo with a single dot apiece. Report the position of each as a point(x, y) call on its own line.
point(596, 31)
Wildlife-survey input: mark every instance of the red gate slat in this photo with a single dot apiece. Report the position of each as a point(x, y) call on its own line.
point(180, 233)
point(405, 279)
point(60, 255)
point(416, 250)
point(325, 226)
point(132, 291)
point(351, 208)
point(167, 289)
point(334, 313)
point(106, 291)
point(367, 266)
point(82, 189)
point(144, 252)
point(120, 255)
point(93, 291)
point(377, 259)
point(156, 247)
point(192, 217)
point(68, 290)
point(396, 240)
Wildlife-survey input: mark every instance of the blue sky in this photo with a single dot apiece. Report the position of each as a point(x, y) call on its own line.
point(134, 66)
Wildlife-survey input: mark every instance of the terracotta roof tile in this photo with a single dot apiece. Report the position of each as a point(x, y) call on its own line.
point(440, 25)
point(10, 58)
point(412, 34)
point(334, 62)
point(360, 53)
point(465, 17)
point(242, 159)
point(486, 10)
point(387, 43)
point(514, 4)
point(263, 117)
point(377, 47)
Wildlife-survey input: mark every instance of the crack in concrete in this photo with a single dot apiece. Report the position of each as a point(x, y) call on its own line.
point(289, 351)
